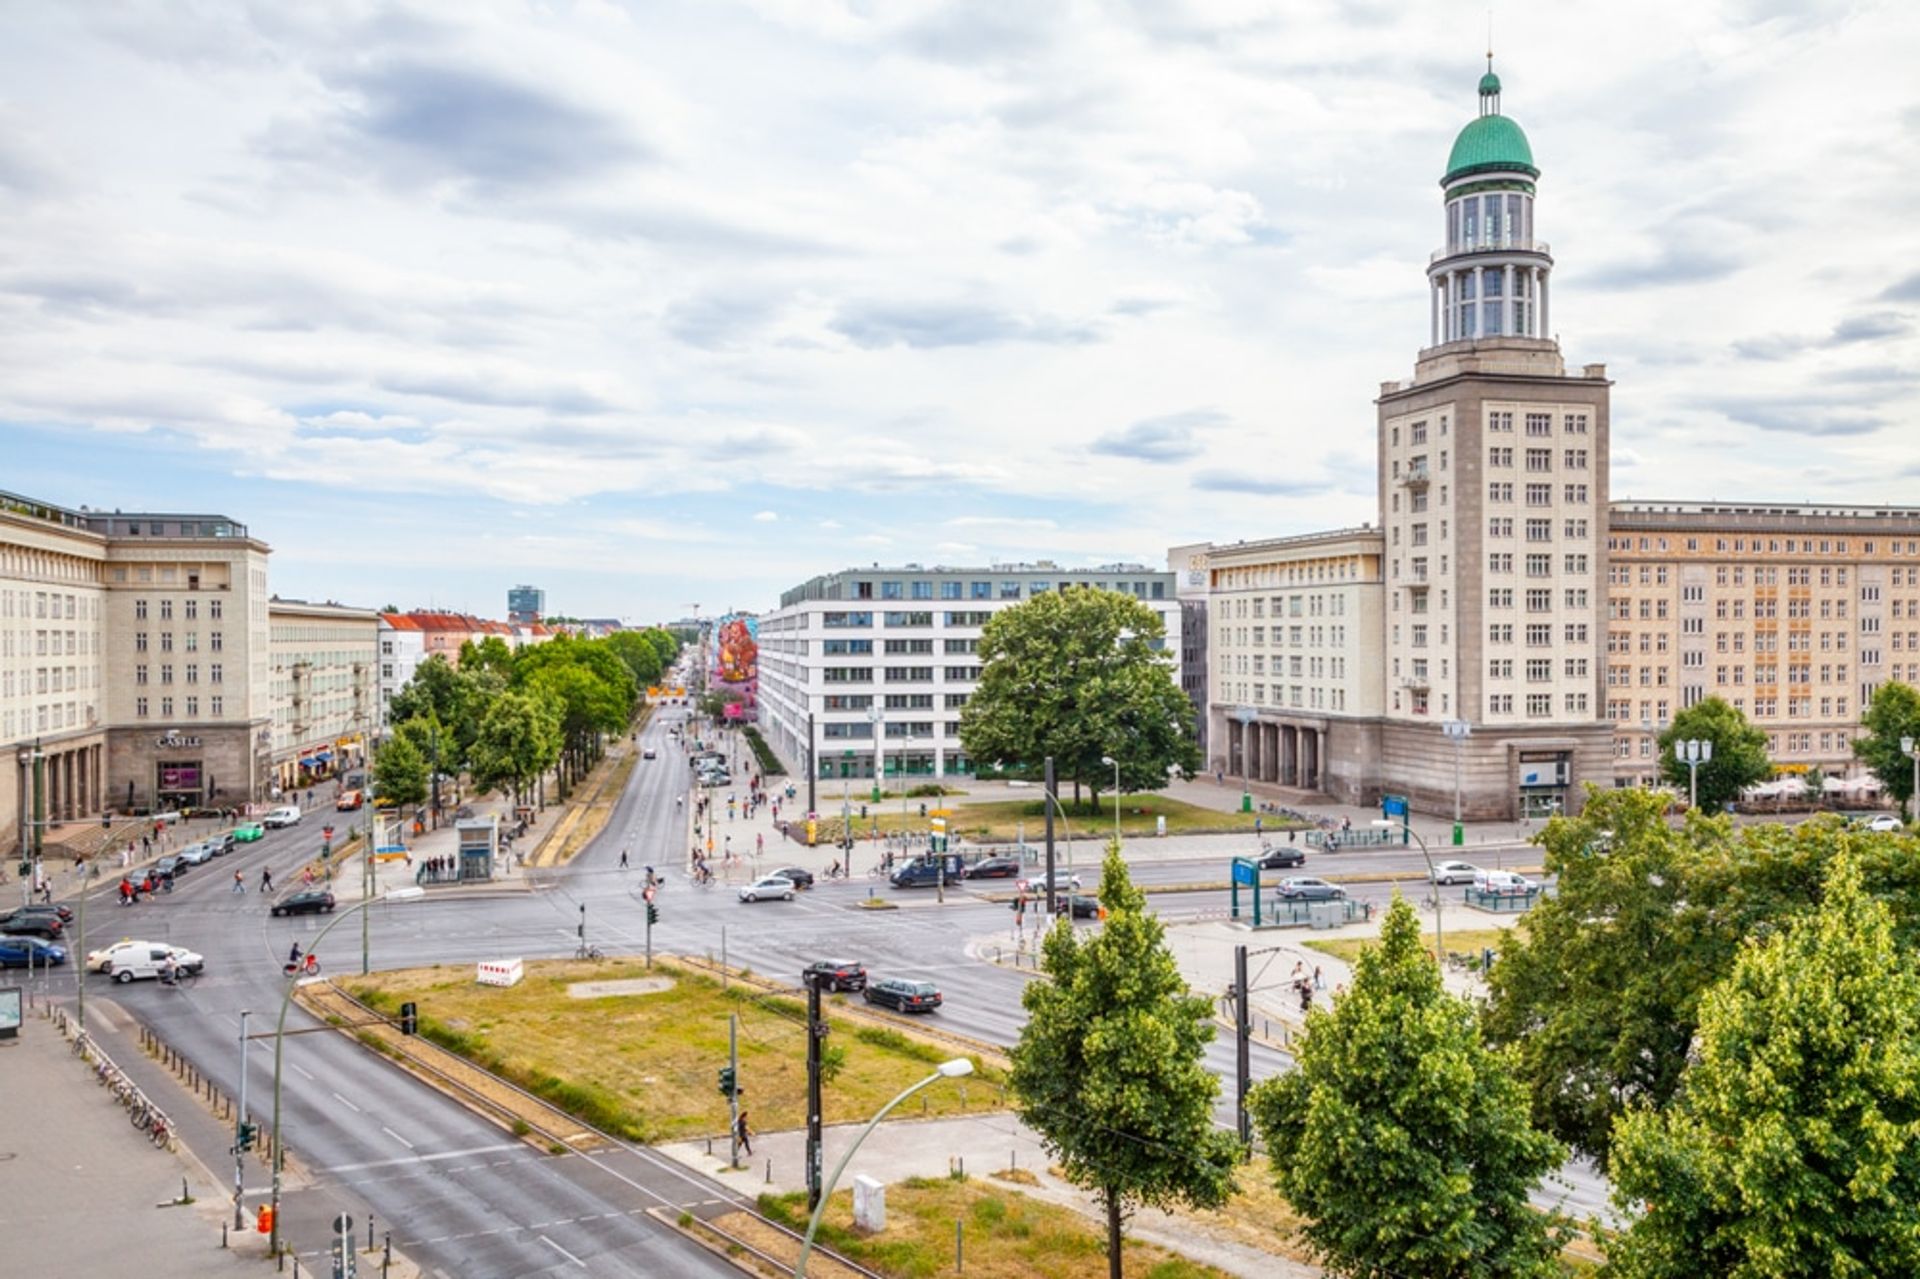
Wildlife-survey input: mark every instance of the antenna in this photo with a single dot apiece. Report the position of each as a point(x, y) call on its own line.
point(1489, 39)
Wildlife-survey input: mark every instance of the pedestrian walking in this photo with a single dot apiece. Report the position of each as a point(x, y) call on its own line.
point(743, 1134)
point(239, 882)
point(1319, 982)
point(1259, 826)
point(623, 859)
point(759, 845)
point(266, 879)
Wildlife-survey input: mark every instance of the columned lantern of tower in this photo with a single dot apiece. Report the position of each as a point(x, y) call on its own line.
point(1490, 280)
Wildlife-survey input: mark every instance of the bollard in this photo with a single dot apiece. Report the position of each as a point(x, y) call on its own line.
point(369, 1232)
point(386, 1256)
point(1013, 1160)
point(223, 1234)
point(709, 1144)
point(958, 1255)
point(296, 1266)
point(769, 1170)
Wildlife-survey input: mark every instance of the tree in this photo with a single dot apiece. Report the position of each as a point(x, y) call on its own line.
point(1893, 713)
point(1405, 1138)
point(518, 740)
point(641, 656)
point(434, 742)
point(1739, 752)
point(433, 691)
point(1108, 1069)
point(490, 654)
point(1794, 1147)
point(1075, 675)
point(400, 771)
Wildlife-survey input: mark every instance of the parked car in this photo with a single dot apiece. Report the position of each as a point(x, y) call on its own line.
point(171, 866)
point(768, 886)
point(836, 974)
point(308, 901)
point(197, 854)
point(349, 801)
point(285, 815)
point(59, 910)
point(1307, 888)
point(715, 779)
point(904, 996)
point(32, 924)
point(802, 877)
point(995, 868)
point(1061, 879)
point(1885, 822)
point(221, 844)
point(1502, 881)
point(248, 832)
point(30, 952)
point(1283, 858)
point(1455, 872)
point(1079, 905)
point(146, 960)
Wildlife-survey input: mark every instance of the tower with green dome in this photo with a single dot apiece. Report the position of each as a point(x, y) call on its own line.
point(1490, 279)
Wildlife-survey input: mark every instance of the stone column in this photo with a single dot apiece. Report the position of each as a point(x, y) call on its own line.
point(1507, 308)
point(1434, 289)
point(1545, 330)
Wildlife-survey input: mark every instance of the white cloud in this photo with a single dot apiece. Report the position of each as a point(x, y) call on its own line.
point(765, 517)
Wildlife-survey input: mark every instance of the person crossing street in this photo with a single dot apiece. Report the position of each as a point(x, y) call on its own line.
point(266, 879)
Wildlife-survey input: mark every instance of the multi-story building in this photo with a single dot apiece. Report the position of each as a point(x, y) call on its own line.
point(879, 661)
point(160, 696)
point(407, 639)
point(1795, 614)
point(1188, 564)
point(403, 646)
point(325, 687)
point(1295, 694)
point(526, 604)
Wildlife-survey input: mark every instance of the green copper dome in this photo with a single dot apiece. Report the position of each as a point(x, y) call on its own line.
point(1489, 84)
point(1492, 142)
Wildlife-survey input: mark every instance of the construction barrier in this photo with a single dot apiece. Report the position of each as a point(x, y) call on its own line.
point(502, 972)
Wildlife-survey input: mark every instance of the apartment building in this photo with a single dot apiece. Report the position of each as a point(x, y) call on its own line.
point(325, 688)
point(407, 639)
point(1795, 614)
point(868, 669)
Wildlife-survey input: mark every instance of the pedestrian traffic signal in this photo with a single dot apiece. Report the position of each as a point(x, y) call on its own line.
point(246, 1135)
point(653, 914)
point(728, 1087)
point(409, 1019)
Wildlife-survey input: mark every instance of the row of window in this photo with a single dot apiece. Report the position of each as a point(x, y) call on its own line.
point(1539, 461)
point(1501, 492)
point(898, 674)
point(189, 608)
point(49, 679)
point(215, 707)
point(1292, 697)
point(1770, 546)
point(50, 605)
point(1334, 605)
point(859, 621)
point(190, 640)
point(1008, 590)
point(74, 643)
point(1313, 636)
point(45, 719)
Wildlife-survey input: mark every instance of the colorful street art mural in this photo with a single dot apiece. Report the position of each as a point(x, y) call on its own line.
point(736, 663)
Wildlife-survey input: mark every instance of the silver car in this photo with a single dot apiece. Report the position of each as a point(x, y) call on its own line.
point(768, 886)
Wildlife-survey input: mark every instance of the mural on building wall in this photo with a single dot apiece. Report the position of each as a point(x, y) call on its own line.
point(736, 665)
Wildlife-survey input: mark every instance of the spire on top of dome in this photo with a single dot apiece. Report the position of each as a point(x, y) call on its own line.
point(1489, 87)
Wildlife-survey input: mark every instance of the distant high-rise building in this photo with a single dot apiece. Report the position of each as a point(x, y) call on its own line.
point(526, 604)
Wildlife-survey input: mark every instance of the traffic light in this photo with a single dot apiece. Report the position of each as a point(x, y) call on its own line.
point(727, 1086)
point(409, 1019)
point(653, 914)
point(247, 1134)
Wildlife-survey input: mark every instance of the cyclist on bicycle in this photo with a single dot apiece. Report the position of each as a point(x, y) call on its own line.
point(293, 955)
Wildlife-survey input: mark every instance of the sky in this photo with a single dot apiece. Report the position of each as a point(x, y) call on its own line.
point(656, 305)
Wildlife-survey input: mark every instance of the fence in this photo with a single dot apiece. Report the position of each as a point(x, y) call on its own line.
point(1335, 840)
point(1502, 901)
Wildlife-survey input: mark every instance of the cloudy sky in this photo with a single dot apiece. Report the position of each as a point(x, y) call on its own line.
point(653, 304)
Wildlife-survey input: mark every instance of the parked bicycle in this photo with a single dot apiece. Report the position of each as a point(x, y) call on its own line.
point(586, 950)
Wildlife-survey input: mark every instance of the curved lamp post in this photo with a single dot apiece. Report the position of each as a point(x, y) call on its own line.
point(279, 1040)
point(1439, 943)
point(1108, 759)
point(958, 1068)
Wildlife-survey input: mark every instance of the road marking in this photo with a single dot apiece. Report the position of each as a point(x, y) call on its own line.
point(563, 1252)
point(396, 1136)
point(101, 1016)
point(422, 1159)
point(349, 1105)
point(303, 1074)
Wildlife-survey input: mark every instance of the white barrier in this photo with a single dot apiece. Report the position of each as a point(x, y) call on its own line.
point(499, 972)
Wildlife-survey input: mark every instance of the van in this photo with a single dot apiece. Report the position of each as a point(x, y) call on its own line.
point(349, 800)
point(1502, 881)
point(287, 815)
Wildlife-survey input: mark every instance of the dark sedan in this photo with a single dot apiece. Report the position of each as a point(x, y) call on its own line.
point(60, 910)
point(836, 974)
point(30, 952)
point(308, 901)
point(1079, 905)
point(801, 877)
point(1308, 889)
point(995, 868)
point(904, 996)
point(172, 867)
point(1283, 858)
point(31, 924)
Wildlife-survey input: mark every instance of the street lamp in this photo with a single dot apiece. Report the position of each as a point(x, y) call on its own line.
point(1912, 752)
point(958, 1068)
point(1108, 759)
point(1246, 715)
point(1693, 752)
point(876, 717)
point(1459, 730)
point(1439, 943)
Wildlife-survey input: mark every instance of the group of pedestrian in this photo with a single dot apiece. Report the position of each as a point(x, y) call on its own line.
point(1306, 985)
point(439, 867)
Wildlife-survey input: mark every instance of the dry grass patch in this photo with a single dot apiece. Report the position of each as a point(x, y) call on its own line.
point(1460, 941)
point(1006, 1235)
point(646, 1069)
point(1002, 821)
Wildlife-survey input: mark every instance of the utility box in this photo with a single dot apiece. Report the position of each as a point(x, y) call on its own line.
point(1326, 914)
point(869, 1204)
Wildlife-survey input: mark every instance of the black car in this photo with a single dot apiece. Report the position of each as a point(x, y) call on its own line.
point(1079, 905)
point(836, 974)
point(32, 924)
point(308, 901)
point(995, 868)
point(801, 877)
point(60, 910)
point(221, 844)
point(171, 867)
point(904, 996)
point(1283, 859)
point(922, 874)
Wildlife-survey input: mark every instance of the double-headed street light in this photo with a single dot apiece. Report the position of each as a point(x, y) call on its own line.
point(958, 1068)
point(1439, 943)
point(1108, 759)
point(1693, 752)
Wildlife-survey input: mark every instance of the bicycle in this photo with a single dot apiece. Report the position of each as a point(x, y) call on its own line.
point(585, 951)
point(305, 966)
point(160, 1132)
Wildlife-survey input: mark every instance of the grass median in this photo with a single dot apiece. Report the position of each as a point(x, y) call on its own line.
point(1001, 821)
point(644, 1066)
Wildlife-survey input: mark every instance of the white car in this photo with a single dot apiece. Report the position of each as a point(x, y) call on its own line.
point(1455, 872)
point(1061, 879)
point(97, 960)
point(279, 817)
point(768, 886)
point(1502, 881)
point(130, 960)
point(1885, 822)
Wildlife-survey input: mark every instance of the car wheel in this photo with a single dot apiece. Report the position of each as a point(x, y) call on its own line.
point(124, 976)
point(788, 895)
point(326, 910)
point(867, 995)
point(752, 898)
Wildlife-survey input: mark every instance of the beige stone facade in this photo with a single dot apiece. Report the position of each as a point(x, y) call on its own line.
point(325, 687)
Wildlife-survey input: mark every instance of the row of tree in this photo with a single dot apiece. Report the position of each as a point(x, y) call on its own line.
point(1740, 748)
point(507, 717)
point(1727, 1020)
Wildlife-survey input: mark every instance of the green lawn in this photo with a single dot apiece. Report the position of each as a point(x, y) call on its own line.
point(1001, 821)
point(1462, 941)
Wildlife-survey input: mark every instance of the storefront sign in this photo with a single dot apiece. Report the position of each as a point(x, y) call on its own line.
point(170, 741)
point(180, 777)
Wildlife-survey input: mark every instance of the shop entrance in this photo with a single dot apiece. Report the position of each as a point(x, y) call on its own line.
point(179, 784)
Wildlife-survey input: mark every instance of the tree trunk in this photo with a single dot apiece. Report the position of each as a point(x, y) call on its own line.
point(1114, 1267)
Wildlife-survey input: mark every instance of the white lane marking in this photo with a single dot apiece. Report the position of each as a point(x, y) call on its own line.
point(396, 1136)
point(349, 1105)
point(563, 1252)
point(303, 1074)
point(422, 1159)
point(101, 1014)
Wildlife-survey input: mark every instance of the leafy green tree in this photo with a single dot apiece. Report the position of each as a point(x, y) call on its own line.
point(1794, 1147)
point(640, 654)
point(1402, 1136)
point(400, 771)
point(490, 654)
point(1108, 1069)
point(1075, 675)
point(518, 740)
point(1739, 752)
point(1893, 713)
point(435, 743)
point(433, 692)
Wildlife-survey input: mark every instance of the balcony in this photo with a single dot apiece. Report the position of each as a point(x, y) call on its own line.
point(1417, 476)
point(1540, 247)
point(1416, 683)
